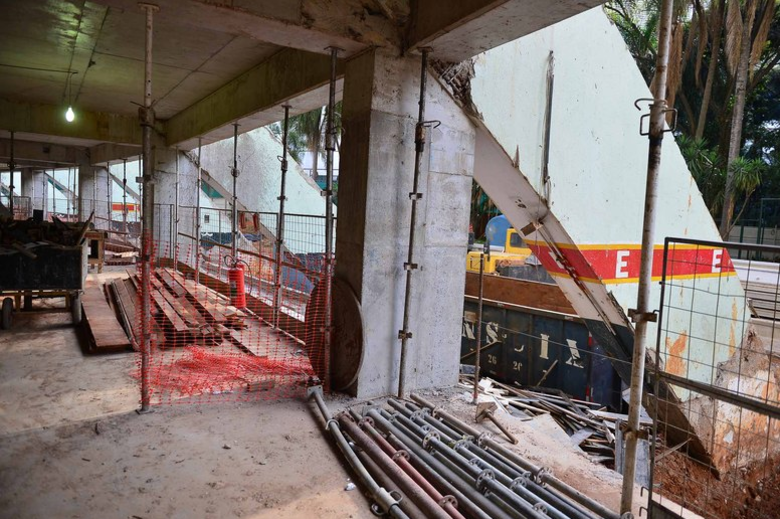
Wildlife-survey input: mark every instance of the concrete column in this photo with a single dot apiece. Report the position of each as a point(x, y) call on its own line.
point(39, 190)
point(165, 200)
point(93, 190)
point(377, 161)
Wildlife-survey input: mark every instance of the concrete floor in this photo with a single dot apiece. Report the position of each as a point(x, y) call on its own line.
point(72, 446)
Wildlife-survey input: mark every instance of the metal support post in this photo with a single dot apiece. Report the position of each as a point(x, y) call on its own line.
point(280, 223)
point(643, 312)
point(175, 244)
point(197, 213)
point(146, 113)
point(11, 166)
point(67, 195)
point(234, 207)
point(109, 198)
point(485, 250)
point(327, 274)
point(410, 266)
point(124, 198)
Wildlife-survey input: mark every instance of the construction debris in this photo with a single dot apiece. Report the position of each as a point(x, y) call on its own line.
point(589, 425)
point(23, 236)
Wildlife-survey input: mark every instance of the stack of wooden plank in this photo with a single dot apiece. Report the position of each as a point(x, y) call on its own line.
point(118, 252)
point(184, 312)
point(104, 332)
point(588, 424)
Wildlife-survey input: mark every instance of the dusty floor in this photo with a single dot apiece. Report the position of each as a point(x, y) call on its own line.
point(72, 446)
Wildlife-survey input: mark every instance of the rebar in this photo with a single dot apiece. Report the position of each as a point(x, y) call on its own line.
point(643, 312)
point(385, 501)
point(330, 148)
point(415, 196)
point(280, 223)
point(147, 124)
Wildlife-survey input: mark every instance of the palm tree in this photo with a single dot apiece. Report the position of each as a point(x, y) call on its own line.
point(744, 47)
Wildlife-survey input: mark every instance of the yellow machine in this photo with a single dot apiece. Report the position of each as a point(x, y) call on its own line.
point(514, 254)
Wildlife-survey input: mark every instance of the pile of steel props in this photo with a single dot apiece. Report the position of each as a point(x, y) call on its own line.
point(418, 461)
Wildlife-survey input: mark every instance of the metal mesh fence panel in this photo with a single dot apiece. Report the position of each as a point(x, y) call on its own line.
point(717, 354)
point(223, 328)
point(22, 206)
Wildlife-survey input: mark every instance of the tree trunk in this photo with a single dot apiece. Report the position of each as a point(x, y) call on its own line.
point(735, 138)
point(717, 29)
point(315, 160)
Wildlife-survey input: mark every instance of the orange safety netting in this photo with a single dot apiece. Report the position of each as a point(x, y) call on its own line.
point(204, 344)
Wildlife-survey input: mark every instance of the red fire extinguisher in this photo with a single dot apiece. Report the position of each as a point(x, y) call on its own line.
point(237, 287)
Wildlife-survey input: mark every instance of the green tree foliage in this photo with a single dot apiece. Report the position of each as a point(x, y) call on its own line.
point(719, 103)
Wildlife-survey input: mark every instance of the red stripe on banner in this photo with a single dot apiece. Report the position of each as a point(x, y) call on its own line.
point(620, 263)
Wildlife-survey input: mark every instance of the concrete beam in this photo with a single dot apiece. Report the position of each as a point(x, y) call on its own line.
point(466, 28)
point(286, 75)
point(303, 24)
point(104, 154)
point(50, 120)
point(39, 153)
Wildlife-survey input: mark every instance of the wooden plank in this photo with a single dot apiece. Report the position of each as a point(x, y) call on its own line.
point(203, 298)
point(169, 314)
point(191, 320)
point(520, 292)
point(175, 287)
point(104, 329)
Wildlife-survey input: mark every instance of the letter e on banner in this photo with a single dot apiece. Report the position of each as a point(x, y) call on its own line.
point(622, 264)
point(717, 264)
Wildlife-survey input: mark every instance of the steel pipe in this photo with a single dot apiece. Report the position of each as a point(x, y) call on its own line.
point(12, 166)
point(330, 148)
point(470, 500)
point(399, 457)
point(415, 196)
point(644, 305)
point(483, 480)
point(544, 476)
point(531, 492)
point(406, 504)
point(197, 211)
point(386, 503)
point(430, 507)
point(280, 223)
point(146, 113)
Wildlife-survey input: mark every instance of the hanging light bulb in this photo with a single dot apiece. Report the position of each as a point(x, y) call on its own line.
point(70, 116)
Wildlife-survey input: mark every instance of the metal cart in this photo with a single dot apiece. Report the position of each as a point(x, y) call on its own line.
point(42, 270)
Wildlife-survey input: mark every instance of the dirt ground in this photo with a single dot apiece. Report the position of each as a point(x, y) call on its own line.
point(72, 445)
point(752, 493)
